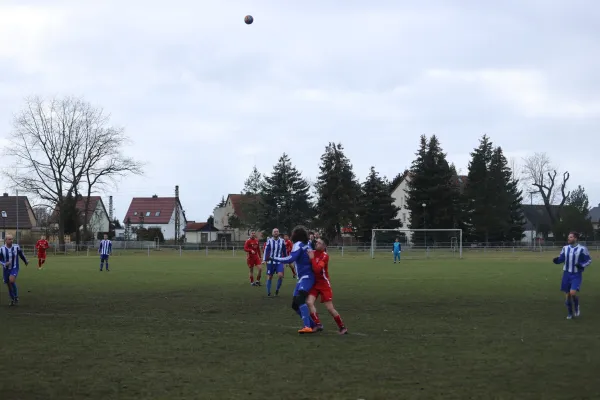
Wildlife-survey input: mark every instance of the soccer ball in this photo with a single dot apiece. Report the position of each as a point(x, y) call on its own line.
point(248, 19)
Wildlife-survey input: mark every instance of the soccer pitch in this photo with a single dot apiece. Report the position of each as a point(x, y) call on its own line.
point(191, 327)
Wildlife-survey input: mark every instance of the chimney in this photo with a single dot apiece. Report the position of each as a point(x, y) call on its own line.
point(155, 197)
point(5, 195)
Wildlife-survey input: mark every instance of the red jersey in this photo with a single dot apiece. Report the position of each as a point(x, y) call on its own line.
point(252, 245)
point(320, 266)
point(288, 246)
point(41, 246)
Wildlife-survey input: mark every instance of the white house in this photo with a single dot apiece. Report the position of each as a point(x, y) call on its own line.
point(97, 217)
point(200, 232)
point(233, 206)
point(156, 212)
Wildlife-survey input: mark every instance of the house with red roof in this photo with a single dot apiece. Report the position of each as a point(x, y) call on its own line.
point(156, 212)
point(234, 206)
point(96, 217)
point(200, 232)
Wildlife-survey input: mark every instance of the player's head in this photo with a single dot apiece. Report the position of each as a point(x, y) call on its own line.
point(253, 235)
point(322, 244)
point(275, 233)
point(311, 236)
point(42, 237)
point(299, 234)
point(397, 239)
point(317, 235)
point(105, 236)
point(286, 237)
point(8, 240)
point(573, 237)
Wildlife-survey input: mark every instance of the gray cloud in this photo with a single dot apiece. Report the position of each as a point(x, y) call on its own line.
point(204, 96)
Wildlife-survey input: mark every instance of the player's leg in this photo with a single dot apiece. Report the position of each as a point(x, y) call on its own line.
point(12, 279)
point(300, 299)
point(106, 261)
point(294, 275)
point(310, 301)
point(39, 262)
point(6, 281)
point(575, 287)
point(270, 272)
point(101, 262)
point(565, 287)
point(251, 273)
point(336, 316)
point(258, 265)
point(279, 270)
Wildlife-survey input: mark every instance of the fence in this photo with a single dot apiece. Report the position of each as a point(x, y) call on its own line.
point(236, 249)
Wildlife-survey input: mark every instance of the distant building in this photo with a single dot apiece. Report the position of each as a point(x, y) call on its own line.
point(17, 214)
point(234, 206)
point(97, 219)
point(595, 217)
point(200, 232)
point(537, 222)
point(156, 212)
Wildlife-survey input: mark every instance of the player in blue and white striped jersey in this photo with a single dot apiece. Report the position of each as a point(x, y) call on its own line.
point(105, 250)
point(275, 248)
point(575, 258)
point(9, 259)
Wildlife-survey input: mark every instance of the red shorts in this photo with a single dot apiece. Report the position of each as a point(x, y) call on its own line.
point(323, 290)
point(253, 261)
point(42, 256)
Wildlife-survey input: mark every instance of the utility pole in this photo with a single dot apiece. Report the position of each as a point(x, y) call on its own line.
point(110, 208)
point(177, 215)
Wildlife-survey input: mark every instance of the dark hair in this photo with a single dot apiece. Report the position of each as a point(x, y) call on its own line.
point(299, 234)
point(575, 234)
point(325, 240)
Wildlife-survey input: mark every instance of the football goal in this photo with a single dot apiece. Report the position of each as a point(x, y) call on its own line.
point(417, 243)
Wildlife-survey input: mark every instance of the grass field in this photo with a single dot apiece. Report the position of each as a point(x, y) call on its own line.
point(191, 327)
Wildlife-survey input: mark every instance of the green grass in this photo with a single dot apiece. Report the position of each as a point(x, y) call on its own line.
point(190, 327)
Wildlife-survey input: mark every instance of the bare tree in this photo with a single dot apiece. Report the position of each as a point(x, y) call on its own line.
point(61, 145)
point(540, 174)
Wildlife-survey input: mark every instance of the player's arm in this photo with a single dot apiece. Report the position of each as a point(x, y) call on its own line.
point(584, 258)
point(247, 248)
point(318, 266)
point(110, 248)
point(561, 258)
point(22, 256)
point(267, 250)
point(284, 250)
point(293, 257)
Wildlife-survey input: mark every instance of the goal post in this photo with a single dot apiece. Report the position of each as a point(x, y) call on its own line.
point(418, 243)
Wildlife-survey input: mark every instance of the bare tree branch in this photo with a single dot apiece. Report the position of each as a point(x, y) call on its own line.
point(62, 147)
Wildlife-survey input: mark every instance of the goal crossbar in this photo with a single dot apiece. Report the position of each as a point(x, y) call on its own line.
point(405, 230)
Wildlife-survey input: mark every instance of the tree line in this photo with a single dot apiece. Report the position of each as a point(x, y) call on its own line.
point(487, 203)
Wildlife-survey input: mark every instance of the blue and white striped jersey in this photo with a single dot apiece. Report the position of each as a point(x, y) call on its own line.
point(105, 248)
point(573, 257)
point(9, 256)
point(274, 248)
point(299, 256)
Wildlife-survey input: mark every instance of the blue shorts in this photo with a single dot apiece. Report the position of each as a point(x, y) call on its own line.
point(6, 273)
point(305, 283)
point(273, 269)
point(571, 281)
point(103, 257)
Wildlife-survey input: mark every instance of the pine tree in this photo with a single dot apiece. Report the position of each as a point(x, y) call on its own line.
point(254, 183)
point(338, 191)
point(506, 204)
point(377, 209)
point(222, 203)
point(575, 216)
point(251, 204)
point(433, 194)
point(478, 195)
point(285, 198)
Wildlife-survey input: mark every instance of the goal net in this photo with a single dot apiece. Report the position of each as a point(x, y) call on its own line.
point(417, 243)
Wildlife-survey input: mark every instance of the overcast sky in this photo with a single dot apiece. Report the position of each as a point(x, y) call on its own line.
point(204, 96)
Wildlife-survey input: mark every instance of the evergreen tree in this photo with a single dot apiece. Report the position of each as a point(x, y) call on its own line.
point(285, 198)
point(222, 203)
point(254, 183)
point(478, 196)
point(579, 199)
point(575, 216)
point(506, 205)
point(376, 207)
point(251, 204)
point(397, 180)
point(338, 191)
point(433, 193)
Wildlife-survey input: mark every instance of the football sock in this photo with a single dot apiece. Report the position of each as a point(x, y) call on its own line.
point(279, 282)
point(305, 313)
point(269, 286)
point(251, 279)
point(10, 295)
point(107, 265)
point(315, 317)
point(569, 305)
point(259, 275)
point(39, 263)
point(338, 321)
point(576, 301)
point(15, 291)
point(101, 264)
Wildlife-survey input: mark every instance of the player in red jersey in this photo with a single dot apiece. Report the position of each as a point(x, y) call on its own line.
point(254, 258)
point(288, 248)
point(41, 246)
point(322, 286)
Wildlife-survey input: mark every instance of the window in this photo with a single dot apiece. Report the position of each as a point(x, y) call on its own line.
point(147, 213)
point(157, 214)
point(404, 217)
point(135, 213)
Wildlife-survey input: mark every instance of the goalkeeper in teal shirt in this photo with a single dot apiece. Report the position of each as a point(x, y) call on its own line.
point(397, 250)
